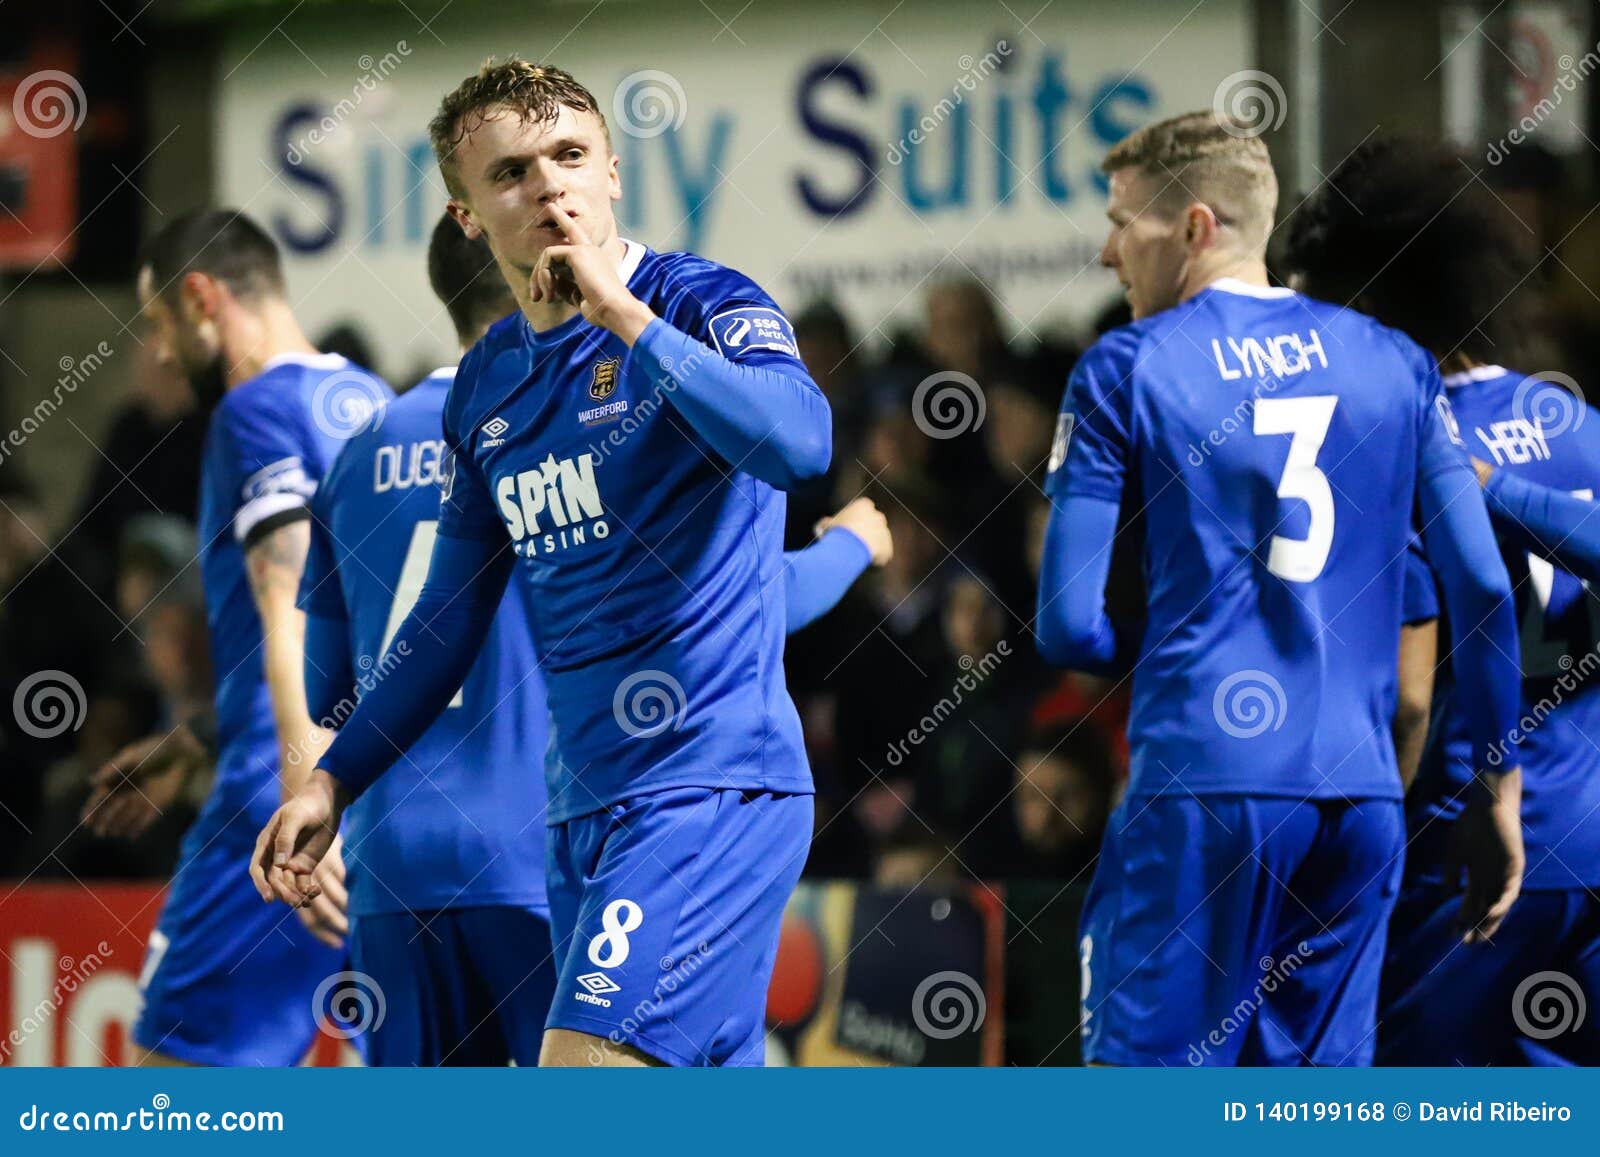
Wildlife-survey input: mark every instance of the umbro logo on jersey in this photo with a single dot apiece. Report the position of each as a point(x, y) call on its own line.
point(596, 983)
point(493, 428)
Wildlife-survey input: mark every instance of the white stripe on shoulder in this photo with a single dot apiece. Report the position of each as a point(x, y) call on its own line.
point(1475, 374)
point(1245, 289)
point(310, 361)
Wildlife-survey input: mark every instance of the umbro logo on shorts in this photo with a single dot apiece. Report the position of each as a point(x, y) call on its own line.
point(596, 983)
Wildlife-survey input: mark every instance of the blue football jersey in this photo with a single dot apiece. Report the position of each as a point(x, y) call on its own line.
point(1506, 419)
point(1267, 448)
point(656, 567)
point(459, 819)
point(269, 442)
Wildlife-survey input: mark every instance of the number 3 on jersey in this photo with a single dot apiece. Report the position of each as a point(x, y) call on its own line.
point(1306, 420)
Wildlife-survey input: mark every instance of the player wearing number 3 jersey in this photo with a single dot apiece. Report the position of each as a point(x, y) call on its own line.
point(1264, 453)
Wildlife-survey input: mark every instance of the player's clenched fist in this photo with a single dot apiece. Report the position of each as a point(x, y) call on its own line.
point(294, 842)
point(580, 273)
point(863, 519)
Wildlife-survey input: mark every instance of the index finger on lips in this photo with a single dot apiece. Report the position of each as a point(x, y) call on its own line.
point(568, 224)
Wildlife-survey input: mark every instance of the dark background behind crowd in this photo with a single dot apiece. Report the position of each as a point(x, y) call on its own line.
point(943, 748)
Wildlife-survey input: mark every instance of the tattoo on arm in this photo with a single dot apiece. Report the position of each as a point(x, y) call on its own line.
point(274, 562)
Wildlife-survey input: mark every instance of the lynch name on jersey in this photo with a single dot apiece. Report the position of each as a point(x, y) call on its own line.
point(1260, 359)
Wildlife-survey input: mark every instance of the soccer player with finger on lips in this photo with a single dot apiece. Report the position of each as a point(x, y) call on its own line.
point(447, 911)
point(624, 440)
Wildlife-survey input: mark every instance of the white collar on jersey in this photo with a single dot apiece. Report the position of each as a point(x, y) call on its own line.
point(632, 254)
point(1475, 374)
point(310, 361)
point(444, 373)
point(1245, 289)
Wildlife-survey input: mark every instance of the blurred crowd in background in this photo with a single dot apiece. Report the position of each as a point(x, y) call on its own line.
point(943, 748)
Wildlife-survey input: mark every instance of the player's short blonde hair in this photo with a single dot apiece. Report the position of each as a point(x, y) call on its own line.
point(534, 92)
point(1201, 156)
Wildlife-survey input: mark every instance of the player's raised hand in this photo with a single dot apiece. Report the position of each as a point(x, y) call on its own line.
point(581, 273)
point(1489, 847)
point(295, 840)
point(863, 519)
point(141, 782)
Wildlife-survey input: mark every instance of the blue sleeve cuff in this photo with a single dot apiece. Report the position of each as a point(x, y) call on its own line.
point(850, 545)
point(818, 576)
point(1558, 525)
